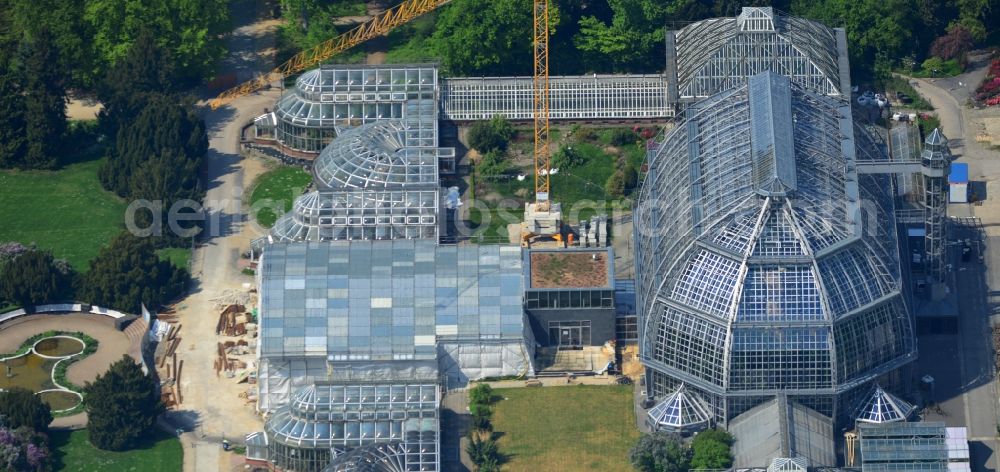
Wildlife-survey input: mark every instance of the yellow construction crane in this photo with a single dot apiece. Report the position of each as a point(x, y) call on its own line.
point(540, 89)
point(377, 26)
point(542, 218)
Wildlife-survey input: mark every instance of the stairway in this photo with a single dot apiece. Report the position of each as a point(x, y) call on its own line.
point(134, 332)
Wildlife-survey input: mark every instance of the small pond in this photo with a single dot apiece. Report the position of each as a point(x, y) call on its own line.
point(33, 370)
point(60, 399)
point(59, 346)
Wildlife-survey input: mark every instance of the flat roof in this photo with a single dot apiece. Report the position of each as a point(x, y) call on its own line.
point(569, 268)
point(959, 173)
point(386, 300)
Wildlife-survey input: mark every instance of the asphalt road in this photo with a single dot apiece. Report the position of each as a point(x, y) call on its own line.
point(975, 282)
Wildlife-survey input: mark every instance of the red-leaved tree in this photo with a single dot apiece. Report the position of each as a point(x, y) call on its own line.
point(954, 44)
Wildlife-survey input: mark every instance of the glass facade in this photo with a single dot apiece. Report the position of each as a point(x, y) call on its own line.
point(752, 277)
point(386, 300)
point(570, 97)
point(324, 423)
point(715, 55)
point(331, 99)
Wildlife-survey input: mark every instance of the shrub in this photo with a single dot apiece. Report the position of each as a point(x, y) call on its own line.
point(481, 394)
point(615, 185)
point(623, 136)
point(495, 134)
point(35, 277)
point(493, 165)
point(567, 157)
point(483, 452)
point(23, 449)
point(711, 450)
point(659, 452)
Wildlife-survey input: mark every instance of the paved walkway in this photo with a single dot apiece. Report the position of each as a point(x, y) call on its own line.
point(112, 344)
point(211, 409)
point(973, 353)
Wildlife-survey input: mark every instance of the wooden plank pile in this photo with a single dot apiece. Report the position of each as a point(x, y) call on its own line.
point(232, 321)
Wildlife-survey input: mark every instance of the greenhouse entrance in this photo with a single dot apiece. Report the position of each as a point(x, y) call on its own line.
point(570, 334)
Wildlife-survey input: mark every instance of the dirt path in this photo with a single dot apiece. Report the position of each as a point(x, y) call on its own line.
point(211, 409)
point(376, 47)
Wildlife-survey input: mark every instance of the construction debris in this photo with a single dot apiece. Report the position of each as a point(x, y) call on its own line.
point(232, 297)
point(232, 321)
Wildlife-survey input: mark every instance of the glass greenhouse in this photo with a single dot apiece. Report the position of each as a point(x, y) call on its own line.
point(331, 98)
point(371, 185)
point(766, 264)
point(715, 55)
point(570, 97)
point(358, 337)
point(326, 423)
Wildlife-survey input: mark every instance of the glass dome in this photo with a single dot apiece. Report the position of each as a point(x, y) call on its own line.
point(374, 156)
point(765, 263)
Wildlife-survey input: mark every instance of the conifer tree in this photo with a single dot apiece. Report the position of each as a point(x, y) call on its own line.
point(122, 406)
point(44, 100)
point(12, 125)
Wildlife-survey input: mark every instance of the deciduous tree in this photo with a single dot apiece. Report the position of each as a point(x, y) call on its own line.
point(190, 29)
point(495, 134)
point(711, 450)
point(955, 44)
point(659, 452)
point(487, 37)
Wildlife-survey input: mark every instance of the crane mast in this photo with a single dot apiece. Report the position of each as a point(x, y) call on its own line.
point(540, 89)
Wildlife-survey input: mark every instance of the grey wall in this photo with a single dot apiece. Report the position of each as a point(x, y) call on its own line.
point(602, 322)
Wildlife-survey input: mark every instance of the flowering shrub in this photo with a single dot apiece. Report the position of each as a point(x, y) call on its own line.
point(989, 90)
point(23, 449)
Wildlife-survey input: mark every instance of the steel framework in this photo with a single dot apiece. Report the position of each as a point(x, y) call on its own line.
point(759, 273)
point(585, 97)
point(377, 26)
point(541, 102)
point(717, 54)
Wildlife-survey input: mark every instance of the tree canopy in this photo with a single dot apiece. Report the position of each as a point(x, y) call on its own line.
point(659, 452)
point(486, 37)
point(122, 406)
point(20, 407)
point(128, 273)
point(190, 29)
point(34, 277)
point(12, 126)
point(93, 35)
point(495, 134)
point(710, 449)
point(34, 104)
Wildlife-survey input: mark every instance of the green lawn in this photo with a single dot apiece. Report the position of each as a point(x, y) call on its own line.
point(279, 186)
point(565, 428)
point(179, 257)
point(72, 452)
point(65, 211)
